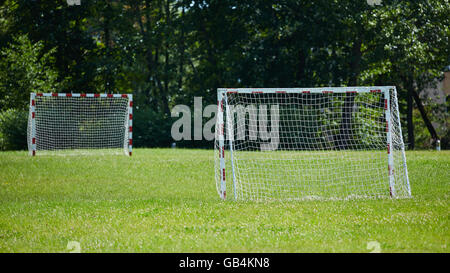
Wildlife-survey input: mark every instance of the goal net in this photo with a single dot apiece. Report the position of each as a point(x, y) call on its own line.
point(310, 143)
point(65, 124)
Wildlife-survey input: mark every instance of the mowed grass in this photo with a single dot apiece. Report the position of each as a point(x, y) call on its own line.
point(300, 175)
point(165, 200)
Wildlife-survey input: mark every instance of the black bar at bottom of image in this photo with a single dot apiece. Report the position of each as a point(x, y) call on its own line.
point(225, 262)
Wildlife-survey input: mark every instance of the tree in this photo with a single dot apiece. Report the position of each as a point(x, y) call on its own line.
point(168, 51)
point(24, 68)
point(412, 51)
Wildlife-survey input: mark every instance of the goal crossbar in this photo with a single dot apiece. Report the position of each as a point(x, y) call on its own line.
point(317, 90)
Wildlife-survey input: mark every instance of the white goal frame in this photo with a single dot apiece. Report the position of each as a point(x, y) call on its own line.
point(222, 140)
point(33, 141)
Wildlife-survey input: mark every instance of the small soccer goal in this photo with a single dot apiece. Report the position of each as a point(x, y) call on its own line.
point(310, 143)
point(78, 124)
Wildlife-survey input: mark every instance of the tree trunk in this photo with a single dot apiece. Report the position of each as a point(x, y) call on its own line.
point(301, 66)
point(346, 130)
point(109, 84)
point(408, 82)
point(424, 115)
point(164, 96)
point(355, 62)
point(409, 120)
point(182, 50)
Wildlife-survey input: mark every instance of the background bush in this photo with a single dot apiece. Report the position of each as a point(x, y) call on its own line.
point(151, 128)
point(13, 129)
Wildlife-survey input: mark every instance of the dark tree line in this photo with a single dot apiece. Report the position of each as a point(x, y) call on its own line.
point(166, 52)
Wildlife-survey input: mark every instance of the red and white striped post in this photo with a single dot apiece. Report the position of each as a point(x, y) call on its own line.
point(230, 135)
point(130, 124)
point(387, 109)
point(221, 136)
point(32, 147)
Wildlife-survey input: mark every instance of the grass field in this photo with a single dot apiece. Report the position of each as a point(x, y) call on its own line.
point(164, 200)
point(309, 175)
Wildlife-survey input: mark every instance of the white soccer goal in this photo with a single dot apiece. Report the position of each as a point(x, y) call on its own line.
point(310, 143)
point(67, 123)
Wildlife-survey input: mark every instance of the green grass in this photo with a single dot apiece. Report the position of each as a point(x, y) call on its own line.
point(164, 200)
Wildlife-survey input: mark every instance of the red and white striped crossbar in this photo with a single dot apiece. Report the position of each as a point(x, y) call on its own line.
point(317, 90)
point(83, 95)
point(80, 95)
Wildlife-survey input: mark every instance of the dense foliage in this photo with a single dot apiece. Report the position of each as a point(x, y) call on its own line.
point(13, 129)
point(166, 52)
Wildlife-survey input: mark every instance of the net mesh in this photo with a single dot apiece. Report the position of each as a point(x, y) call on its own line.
point(295, 145)
point(80, 125)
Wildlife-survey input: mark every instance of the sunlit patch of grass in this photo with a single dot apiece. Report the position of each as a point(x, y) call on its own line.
point(164, 200)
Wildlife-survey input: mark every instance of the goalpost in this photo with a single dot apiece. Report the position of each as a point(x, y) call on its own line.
point(310, 143)
point(69, 123)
